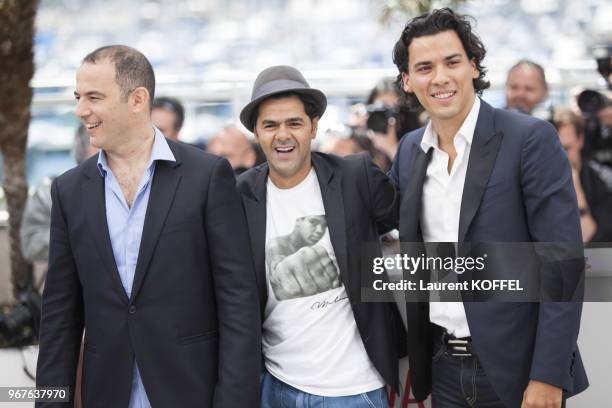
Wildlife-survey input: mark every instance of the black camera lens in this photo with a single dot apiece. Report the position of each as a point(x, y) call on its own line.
point(19, 324)
point(378, 117)
point(377, 121)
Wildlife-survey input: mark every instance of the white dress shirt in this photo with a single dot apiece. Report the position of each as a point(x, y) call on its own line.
point(442, 193)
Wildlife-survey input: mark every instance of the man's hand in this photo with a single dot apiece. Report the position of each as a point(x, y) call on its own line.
point(307, 272)
point(541, 395)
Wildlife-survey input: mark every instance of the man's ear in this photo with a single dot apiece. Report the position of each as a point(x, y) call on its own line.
point(475, 71)
point(406, 82)
point(315, 125)
point(139, 99)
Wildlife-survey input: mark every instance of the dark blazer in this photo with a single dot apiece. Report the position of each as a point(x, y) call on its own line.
point(518, 188)
point(358, 199)
point(191, 323)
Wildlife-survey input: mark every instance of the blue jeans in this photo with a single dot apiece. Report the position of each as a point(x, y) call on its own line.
point(460, 382)
point(277, 394)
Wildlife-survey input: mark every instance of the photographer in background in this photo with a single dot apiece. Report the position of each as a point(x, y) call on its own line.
point(386, 121)
point(594, 198)
point(596, 108)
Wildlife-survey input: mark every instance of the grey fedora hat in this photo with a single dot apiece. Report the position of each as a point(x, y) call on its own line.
point(276, 80)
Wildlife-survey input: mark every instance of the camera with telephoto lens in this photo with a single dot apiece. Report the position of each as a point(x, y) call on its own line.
point(379, 116)
point(20, 323)
point(597, 135)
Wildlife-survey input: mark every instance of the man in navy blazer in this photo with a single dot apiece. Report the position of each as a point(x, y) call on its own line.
point(149, 254)
point(479, 174)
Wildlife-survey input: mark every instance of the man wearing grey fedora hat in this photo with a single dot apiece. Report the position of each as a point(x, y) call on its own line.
point(308, 214)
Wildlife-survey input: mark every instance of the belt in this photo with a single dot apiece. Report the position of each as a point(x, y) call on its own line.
point(455, 346)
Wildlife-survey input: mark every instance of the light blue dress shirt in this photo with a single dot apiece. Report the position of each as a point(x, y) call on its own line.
point(125, 229)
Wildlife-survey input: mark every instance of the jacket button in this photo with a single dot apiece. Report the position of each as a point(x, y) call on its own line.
point(132, 309)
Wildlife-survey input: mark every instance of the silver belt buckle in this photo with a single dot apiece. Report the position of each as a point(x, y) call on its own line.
point(459, 348)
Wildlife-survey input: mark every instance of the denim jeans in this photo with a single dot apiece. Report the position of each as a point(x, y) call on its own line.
point(277, 394)
point(460, 382)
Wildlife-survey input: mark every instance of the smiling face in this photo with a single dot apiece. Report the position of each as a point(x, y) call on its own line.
point(99, 104)
point(284, 132)
point(441, 76)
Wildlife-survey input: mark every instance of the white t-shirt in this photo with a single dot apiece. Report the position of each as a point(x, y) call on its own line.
point(310, 338)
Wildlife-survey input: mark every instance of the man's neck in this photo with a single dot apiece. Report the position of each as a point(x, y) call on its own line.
point(134, 152)
point(447, 129)
point(286, 183)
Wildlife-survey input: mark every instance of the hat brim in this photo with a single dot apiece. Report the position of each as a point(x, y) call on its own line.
point(317, 96)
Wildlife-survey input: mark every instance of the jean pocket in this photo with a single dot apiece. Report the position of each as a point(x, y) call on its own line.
point(376, 398)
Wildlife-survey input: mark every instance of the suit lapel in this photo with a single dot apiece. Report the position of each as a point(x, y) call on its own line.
point(255, 208)
point(485, 145)
point(95, 213)
point(165, 182)
point(330, 183)
point(412, 199)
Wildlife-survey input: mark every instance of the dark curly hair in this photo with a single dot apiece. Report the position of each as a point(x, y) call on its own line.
point(437, 21)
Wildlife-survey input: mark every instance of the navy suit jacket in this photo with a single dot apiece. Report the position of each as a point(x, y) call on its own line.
point(192, 322)
point(518, 188)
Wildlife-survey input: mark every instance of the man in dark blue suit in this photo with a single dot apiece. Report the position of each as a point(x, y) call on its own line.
point(478, 174)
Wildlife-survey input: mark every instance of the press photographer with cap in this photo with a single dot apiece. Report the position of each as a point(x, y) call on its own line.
point(308, 214)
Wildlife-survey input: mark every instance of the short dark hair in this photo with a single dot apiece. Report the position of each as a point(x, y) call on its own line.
point(310, 106)
point(173, 105)
point(132, 68)
point(437, 21)
point(530, 64)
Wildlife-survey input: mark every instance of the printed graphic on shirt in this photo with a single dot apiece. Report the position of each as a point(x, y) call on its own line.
point(298, 264)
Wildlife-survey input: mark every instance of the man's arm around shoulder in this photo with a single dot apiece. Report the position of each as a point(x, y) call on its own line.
point(382, 194)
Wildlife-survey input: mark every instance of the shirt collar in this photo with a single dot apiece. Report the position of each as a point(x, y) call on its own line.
point(160, 151)
point(430, 137)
